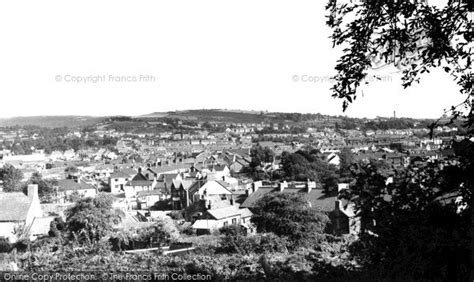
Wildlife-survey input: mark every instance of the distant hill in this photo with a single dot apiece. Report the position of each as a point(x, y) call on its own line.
point(51, 121)
point(215, 115)
point(130, 123)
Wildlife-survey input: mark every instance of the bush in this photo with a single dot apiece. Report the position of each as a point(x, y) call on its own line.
point(5, 245)
point(232, 230)
point(188, 230)
point(255, 244)
point(56, 227)
point(291, 216)
point(176, 215)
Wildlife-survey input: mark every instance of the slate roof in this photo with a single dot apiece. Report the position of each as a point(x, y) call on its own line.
point(187, 183)
point(205, 224)
point(119, 174)
point(139, 177)
point(139, 180)
point(71, 185)
point(219, 167)
point(149, 193)
point(14, 206)
point(229, 212)
point(139, 183)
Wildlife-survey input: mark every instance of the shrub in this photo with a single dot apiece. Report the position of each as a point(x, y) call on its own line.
point(5, 245)
point(176, 215)
point(232, 230)
point(255, 244)
point(56, 227)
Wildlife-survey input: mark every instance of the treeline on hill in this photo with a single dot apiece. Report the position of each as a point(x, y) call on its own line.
point(51, 121)
point(54, 139)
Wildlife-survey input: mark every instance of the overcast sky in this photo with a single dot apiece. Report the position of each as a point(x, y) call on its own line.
point(138, 57)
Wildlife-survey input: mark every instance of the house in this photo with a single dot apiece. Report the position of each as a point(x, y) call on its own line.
point(219, 171)
point(18, 212)
point(148, 198)
point(215, 219)
point(344, 218)
point(168, 178)
point(200, 190)
point(239, 165)
point(117, 181)
point(180, 193)
point(68, 187)
point(138, 183)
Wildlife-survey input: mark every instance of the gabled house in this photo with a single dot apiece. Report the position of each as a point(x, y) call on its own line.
point(214, 219)
point(180, 193)
point(219, 171)
point(148, 198)
point(200, 190)
point(68, 187)
point(18, 212)
point(138, 183)
point(118, 180)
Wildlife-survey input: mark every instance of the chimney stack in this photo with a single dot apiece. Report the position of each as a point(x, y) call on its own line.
point(309, 187)
point(256, 185)
point(33, 191)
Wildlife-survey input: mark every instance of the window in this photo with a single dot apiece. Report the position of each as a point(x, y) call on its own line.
point(225, 223)
point(116, 179)
point(234, 221)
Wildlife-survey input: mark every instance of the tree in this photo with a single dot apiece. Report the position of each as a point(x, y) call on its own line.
point(289, 215)
point(261, 155)
point(411, 228)
point(11, 178)
point(91, 219)
point(309, 164)
point(390, 32)
point(346, 160)
point(46, 189)
point(412, 35)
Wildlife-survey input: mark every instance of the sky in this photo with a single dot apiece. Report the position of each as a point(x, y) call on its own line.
point(137, 57)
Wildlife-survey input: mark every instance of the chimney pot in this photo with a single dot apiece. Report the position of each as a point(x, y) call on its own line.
point(33, 191)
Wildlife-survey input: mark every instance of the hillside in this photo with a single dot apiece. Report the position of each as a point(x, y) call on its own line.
point(215, 115)
point(51, 121)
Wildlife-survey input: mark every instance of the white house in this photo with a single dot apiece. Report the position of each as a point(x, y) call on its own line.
point(68, 187)
point(117, 181)
point(214, 219)
point(18, 212)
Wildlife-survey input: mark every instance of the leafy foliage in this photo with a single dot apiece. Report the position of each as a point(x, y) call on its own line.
point(309, 164)
point(11, 178)
point(46, 189)
point(289, 215)
point(260, 156)
point(412, 35)
point(253, 244)
point(91, 219)
point(414, 226)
